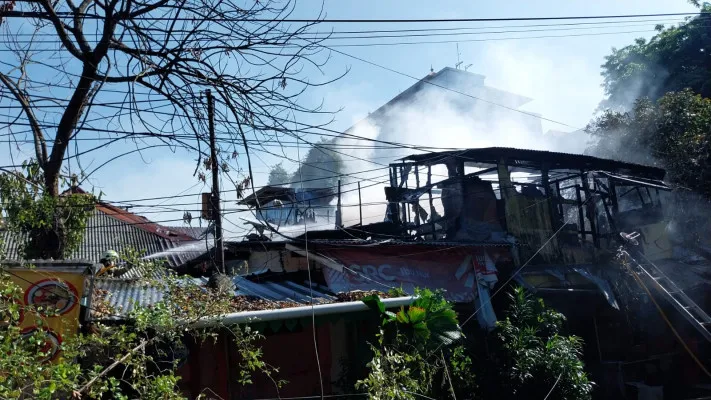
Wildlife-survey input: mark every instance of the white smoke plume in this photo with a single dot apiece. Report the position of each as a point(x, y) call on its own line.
point(434, 118)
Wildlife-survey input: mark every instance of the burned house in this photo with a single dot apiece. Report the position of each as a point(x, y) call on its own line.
point(575, 204)
point(549, 221)
point(468, 222)
point(589, 235)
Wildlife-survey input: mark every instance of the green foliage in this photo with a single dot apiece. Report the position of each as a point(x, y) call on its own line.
point(429, 321)
point(532, 355)
point(397, 292)
point(251, 356)
point(675, 131)
point(278, 176)
point(415, 346)
point(461, 374)
point(53, 226)
point(674, 59)
point(133, 360)
point(396, 374)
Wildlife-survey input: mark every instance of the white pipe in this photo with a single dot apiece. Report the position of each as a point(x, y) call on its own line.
point(297, 312)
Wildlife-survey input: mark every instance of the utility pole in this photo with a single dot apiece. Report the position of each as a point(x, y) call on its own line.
point(216, 214)
point(360, 206)
point(339, 221)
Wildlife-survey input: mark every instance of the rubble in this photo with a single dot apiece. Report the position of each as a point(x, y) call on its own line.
point(357, 295)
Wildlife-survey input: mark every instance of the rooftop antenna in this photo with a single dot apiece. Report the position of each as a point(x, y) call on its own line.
point(459, 63)
point(467, 67)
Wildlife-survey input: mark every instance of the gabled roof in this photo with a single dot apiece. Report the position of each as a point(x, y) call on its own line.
point(451, 80)
point(141, 222)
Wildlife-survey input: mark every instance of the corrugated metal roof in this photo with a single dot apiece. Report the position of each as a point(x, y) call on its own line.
point(195, 232)
point(277, 290)
point(122, 295)
point(53, 265)
point(104, 232)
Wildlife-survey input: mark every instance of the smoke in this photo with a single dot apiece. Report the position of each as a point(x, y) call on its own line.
point(561, 86)
point(430, 119)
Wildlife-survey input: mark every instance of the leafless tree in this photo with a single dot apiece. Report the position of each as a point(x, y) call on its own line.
point(80, 75)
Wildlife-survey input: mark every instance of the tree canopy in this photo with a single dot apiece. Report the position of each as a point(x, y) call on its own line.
point(674, 132)
point(657, 108)
point(321, 168)
point(278, 176)
point(676, 58)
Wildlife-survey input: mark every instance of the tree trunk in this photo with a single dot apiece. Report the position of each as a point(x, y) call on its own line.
point(67, 124)
point(52, 243)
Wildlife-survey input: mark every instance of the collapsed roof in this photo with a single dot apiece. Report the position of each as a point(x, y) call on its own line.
point(534, 159)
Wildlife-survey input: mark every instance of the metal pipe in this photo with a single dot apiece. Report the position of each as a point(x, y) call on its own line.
point(297, 312)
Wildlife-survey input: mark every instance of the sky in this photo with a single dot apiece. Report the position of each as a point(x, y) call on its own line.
point(561, 75)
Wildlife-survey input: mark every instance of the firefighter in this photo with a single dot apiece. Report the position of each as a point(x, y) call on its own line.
point(108, 261)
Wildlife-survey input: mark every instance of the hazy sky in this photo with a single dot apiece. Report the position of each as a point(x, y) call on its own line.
point(561, 74)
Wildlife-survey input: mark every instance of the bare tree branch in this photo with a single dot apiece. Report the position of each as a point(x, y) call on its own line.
point(136, 69)
point(39, 142)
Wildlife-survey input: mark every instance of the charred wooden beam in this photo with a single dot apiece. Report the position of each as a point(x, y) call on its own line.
point(590, 207)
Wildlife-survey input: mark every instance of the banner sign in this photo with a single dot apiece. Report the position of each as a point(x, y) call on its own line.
point(57, 295)
point(455, 269)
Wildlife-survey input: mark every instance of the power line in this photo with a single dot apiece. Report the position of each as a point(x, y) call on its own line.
point(403, 33)
point(554, 385)
point(332, 32)
point(487, 39)
point(21, 14)
point(442, 20)
point(432, 42)
point(231, 211)
point(664, 316)
point(308, 269)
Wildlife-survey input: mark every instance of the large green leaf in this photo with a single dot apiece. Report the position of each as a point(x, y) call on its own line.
point(421, 331)
point(374, 303)
point(402, 316)
point(444, 327)
point(416, 314)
